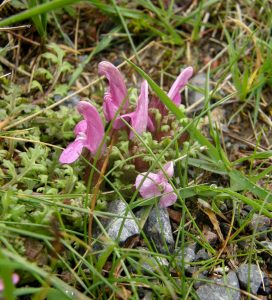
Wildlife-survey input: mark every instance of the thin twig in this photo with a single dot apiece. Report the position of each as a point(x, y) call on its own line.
point(97, 187)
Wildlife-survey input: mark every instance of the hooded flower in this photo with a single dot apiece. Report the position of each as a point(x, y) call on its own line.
point(138, 119)
point(15, 280)
point(180, 82)
point(156, 184)
point(89, 134)
point(174, 93)
point(116, 92)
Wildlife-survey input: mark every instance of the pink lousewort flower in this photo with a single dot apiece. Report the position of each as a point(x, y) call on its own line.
point(156, 184)
point(116, 92)
point(180, 82)
point(138, 119)
point(15, 280)
point(115, 95)
point(89, 134)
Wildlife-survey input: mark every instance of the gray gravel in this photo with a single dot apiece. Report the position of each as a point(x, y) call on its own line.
point(158, 229)
point(250, 274)
point(218, 292)
point(128, 224)
point(198, 81)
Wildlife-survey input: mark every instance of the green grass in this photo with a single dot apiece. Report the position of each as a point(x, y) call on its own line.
point(50, 204)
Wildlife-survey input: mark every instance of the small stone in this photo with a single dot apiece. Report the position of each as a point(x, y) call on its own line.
point(225, 227)
point(198, 282)
point(267, 245)
point(147, 262)
point(71, 102)
point(123, 220)
point(202, 255)
point(199, 81)
point(250, 275)
point(265, 288)
point(248, 208)
point(158, 229)
point(259, 222)
point(186, 257)
point(211, 237)
point(214, 291)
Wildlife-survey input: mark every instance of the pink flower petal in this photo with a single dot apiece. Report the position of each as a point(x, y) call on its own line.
point(15, 280)
point(169, 168)
point(72, 151)
point(169, 197)
point(180, 83)
point(81, 126)
point(95, 127)
point(109, 107)
point(117, 91)
point(148, 187)
point(139, 118)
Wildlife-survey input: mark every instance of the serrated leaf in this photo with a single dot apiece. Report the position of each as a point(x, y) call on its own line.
point(36, 85)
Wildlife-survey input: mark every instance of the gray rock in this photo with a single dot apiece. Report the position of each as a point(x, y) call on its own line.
point(202, 254)
point(158, 229)
point(267, 245)
point(250, 275)
point(186, 257)
point(199, 82)
point(71, 102)
point(148, 262)
point(219, 290)
point(259, 222)
point(123, 221)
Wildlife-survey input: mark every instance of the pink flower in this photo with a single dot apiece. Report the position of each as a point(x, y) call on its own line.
point(180, 82)
point(116, 92)
point(15, 280)
point(114, 97)
point(156, 184)
point(138, 119)
point(89, 134)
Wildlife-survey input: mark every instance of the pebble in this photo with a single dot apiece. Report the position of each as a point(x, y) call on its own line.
point(185, 257)
point(148, 263)
point(202, 254)
point(213, 291)
point(158, 229)
point(253, 274)
point(114, 225)
point(199, 81)
point(259, 222)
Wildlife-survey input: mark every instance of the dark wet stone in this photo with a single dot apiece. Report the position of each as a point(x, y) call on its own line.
point(261, 235)
point(248, 208)
point(269, 234)
point(214, 291)
point(224, 228)
point(265, 288)
point(158, 229)
point(252, 274)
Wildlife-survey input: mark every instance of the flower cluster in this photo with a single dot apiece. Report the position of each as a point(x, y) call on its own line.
point(89, 132)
